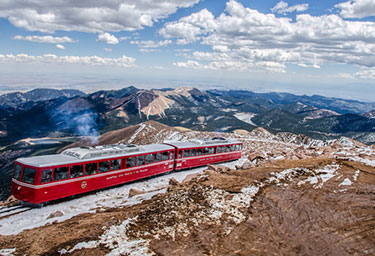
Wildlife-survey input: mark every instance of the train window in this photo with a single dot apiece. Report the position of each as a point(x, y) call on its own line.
point(237, 147)
point(91, 168)
point(28, 175)
point(180, 154)
point(223, 149)
point(240, 146)
point(61, 173)
point(194, 152)
point(228, 148)
point(46, 176)
point(200, 151)
point(218, 150)
point(130, 162)
point(205, 151)
point(232, 148)
point(165, 155)
point(140, 160)
point(157, 157)
point(17, 172)
point(186, 153)
point(171, 155)
point(149, 158)
point(103, 166)
point(116, 164)
point(210, 150)
point(76, 171)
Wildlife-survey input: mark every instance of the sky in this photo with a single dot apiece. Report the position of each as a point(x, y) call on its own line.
point(308, 47)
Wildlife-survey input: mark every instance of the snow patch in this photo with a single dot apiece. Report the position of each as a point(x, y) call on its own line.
point(7, 252)
point(115, 238)
point(234, 207)
point(346, 182)
point(363, 160)
point(355, 176)
point(175, 136)
point(246, 117)
point(141, 127)
point(79, 246)
point(287, 174)
point(322, 176)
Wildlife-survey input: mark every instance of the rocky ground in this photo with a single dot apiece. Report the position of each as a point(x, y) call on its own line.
point(291, 196)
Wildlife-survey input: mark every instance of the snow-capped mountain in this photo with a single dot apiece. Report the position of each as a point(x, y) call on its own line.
point(315, 116)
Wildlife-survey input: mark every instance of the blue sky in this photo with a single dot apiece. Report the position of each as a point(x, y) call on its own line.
point(302, 47)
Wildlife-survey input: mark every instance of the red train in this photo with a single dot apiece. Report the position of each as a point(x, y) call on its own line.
point(41, 179)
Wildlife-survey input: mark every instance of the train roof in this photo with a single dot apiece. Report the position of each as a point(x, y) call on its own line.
point(85, 154)
point(217, 141)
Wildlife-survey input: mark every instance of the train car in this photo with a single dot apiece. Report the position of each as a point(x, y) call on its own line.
point(40, 179)
point(202, 152)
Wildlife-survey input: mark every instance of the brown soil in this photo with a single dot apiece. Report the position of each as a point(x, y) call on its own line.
point(286, 217)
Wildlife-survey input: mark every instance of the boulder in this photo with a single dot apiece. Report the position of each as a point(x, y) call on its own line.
point(191, 176)
point(173, 182)
point(290, 155)
point(10, 201)
point(212, 167)
point(217, 168)
point(300, 148)
point(247, 165)
point(328, 151)
point(55, 214)
point(256, 156)
point(207, 172)
point(337, 145)
point(134, 192)
point(301, 155)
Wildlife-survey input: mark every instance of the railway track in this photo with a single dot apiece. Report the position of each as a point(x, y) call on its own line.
point(6, 211)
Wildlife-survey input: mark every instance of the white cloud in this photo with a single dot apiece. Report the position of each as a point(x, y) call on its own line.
point(283, 8)
point(151, 44)
point(233, 65)
point(247, 38)
point(124, 38)
point(188, 64)
point(183, 50)
point(107, 38)
point(220, 48)
point(308, 66)
point(46, 39)
point(60, 46)
point(158, 67)
point(357, 8)
point(89, 16)
point(149, 50)
point(366, 74)
point(345, 76)
point(189, 28)
point(107, 49)
point(124, 61)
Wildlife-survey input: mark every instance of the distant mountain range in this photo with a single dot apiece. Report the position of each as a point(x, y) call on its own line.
point(43, 112)
point(27, 99)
